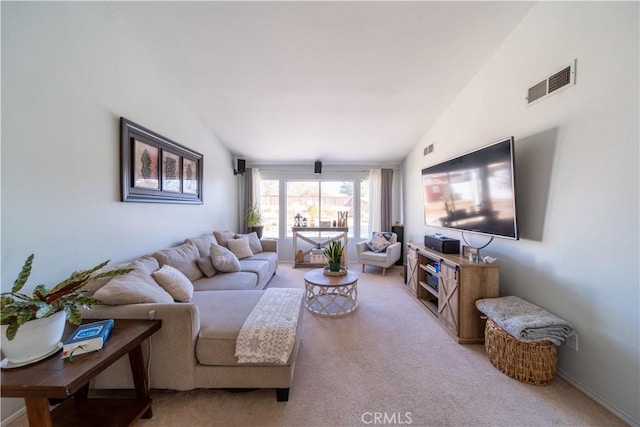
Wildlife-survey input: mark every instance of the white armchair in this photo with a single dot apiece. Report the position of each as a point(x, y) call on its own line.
point(380, 259)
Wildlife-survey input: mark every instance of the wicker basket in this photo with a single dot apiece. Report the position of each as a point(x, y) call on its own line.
point(533, 363)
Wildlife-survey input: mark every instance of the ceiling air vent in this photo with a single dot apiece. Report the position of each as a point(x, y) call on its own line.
point(559, 80)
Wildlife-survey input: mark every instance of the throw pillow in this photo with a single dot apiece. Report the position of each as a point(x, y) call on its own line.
point(254, 242)
point(206, 265)
point(94, 284)
point(183, 258)
point(223, 236)
point(240, 247)
point(223, 259)
point(174, 282)
point(378, 243)
point(135, 287)
point(203, 243)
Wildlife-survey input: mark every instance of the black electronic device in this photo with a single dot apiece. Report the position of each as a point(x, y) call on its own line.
point(317, 167)
point(474, 192)
point(442, 244)
point(241, 167)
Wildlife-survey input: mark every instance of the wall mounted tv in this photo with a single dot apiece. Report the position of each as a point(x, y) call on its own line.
point(474, 192)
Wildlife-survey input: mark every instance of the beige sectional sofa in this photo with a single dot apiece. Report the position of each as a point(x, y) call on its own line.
point(195, 346)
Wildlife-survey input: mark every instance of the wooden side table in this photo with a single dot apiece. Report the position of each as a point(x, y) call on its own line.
point(59, 378)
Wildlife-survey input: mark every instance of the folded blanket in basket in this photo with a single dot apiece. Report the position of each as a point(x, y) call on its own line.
point(525, 321)
point(269, 333)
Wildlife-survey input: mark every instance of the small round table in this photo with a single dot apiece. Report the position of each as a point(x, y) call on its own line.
point(330, 295)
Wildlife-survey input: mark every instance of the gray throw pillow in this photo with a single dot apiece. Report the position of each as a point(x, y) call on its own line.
point(240, 247)
point(223, 236)
point(223, 259)
point(206, 265)
point(174, 282)
point(183, 258)
point(135, 287)
point(254, 242)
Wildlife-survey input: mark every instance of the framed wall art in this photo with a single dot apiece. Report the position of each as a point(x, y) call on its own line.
point(156, 169)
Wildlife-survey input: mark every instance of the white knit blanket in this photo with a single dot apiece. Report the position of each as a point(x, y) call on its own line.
point(269, 333)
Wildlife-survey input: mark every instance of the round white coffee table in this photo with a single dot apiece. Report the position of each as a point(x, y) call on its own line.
point(330, 295)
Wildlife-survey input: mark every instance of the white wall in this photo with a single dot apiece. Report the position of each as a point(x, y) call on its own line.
point(69, 71)
point(577, 165)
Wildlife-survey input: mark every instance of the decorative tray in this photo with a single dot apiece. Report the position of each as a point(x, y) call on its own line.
point(342, 272)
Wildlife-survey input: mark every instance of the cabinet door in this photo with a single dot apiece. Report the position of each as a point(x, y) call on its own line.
point(412, 271)
point(448, 293)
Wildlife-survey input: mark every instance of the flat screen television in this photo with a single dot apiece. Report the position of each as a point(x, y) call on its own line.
point(474, 192)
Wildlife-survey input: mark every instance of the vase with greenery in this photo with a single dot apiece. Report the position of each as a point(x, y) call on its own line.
point(254, 219)
point(334, 255)
point(19, 309)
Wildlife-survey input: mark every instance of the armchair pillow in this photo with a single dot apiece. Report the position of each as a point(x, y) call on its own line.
point(174, 282)
point(378, 243)
point(223, 259)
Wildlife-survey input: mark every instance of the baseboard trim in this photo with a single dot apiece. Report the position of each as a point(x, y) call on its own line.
point(11, 418)
point(595, 396)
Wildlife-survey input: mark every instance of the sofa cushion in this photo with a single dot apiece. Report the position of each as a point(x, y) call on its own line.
point(174, 282)
point(270, 257)
point(94, 284)
point(205, 265)
point(227, 281)
point(181, 257)
point(223, 236)
point(135, 287)
point(373, 256)
point(240, 247)
point(223, 259)
point(149, 262)
point(219, 326)
point(203, 243)
point(257, 266)
point(254, 241)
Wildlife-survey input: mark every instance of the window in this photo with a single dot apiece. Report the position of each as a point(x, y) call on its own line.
point(364, 208)
point(288, 190)
point(319, 202)
point(270, 205)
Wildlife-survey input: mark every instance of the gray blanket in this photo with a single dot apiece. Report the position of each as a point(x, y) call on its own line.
point(525, 321)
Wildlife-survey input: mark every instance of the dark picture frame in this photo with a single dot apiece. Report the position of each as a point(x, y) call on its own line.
point(156, 169)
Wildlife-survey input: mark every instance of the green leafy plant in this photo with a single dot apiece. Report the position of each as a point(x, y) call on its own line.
point(254, 215)
point(17, 308)
point(334, 252)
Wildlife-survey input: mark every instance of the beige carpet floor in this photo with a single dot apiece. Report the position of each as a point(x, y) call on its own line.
point(388, 363)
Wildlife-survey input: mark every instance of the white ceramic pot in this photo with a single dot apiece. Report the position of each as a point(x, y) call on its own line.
point(34, 339)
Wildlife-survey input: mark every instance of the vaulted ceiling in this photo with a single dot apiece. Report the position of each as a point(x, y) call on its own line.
point(342, 82)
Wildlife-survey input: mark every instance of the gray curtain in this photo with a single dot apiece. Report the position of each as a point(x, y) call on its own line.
point(386, 199)
point(247, 197)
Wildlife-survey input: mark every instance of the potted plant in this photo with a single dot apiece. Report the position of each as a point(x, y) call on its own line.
point(32, 326)
point(334, 255)
point(254, 220)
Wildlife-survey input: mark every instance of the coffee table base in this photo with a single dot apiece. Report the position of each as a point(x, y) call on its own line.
point(331, 301)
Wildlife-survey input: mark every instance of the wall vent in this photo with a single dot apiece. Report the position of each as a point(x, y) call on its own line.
point(561, 79)
point(427, 150)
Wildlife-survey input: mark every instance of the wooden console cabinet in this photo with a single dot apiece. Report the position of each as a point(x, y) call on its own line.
point(449, 286)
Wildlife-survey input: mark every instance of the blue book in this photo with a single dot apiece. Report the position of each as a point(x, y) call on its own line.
point(86, 338)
